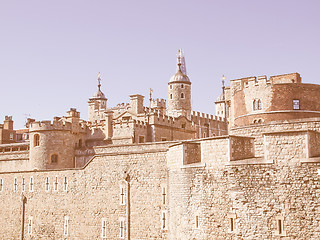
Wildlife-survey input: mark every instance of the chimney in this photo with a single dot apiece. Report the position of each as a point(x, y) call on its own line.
point(136, 102)
point(8, 123)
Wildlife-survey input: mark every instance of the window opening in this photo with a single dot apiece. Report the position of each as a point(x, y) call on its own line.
point(47, 184)
point(121, 228)
point(104, 228)
point(65, 184)
point(31, 185)
point(30, 226)
point(36, 140)
point(164, 195)
point(54, 158)
point(15, 185)
point(23, 185)
point(66, 226)
point(296, 104)
point(122, 196)
point(56, 184)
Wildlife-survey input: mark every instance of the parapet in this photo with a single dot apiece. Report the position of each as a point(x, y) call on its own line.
point(50, 126)
point(158, 103)
point(286, 78)
point(195, 116)
point(239, 84)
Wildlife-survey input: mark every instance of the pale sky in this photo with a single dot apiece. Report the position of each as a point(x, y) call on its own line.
point(51, 51)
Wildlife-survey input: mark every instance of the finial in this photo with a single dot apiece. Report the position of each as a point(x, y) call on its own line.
point(99, 80)
point(223, 80)
point(179, 59)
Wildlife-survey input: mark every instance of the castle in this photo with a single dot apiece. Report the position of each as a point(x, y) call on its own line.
point(167, 172)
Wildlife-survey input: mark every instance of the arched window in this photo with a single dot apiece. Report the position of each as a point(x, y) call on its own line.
point(182, 86)
point(259, 104)
point(36, 140)
point(182, 95)
point(54, 158)
point(255, 105)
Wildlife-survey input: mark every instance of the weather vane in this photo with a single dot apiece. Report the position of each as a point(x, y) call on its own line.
point(223, 80)
point(99, 80)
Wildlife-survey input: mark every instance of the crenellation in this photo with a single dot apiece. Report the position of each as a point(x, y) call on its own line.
point(151, 172)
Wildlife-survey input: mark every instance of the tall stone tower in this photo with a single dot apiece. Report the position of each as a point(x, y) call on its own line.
point(179, 91)
point(97, 104)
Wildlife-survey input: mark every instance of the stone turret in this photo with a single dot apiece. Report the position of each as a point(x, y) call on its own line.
point(97, 104)
point(52, 144)
point(179, 93)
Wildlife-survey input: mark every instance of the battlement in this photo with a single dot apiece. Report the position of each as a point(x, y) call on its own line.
point(158, 103)
point(8, 118)
point(129, 123)
point(199, 115)
point(50, 126)
point(239, 84)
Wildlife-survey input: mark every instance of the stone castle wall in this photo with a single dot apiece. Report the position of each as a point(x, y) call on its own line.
point(93, 193)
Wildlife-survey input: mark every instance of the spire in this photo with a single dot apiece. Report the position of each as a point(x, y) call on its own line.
point(223, 87)
point(99, 81)
point(99, 93)
point(181, 59)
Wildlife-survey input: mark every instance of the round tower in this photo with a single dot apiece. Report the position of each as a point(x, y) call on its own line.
point(52, 144)
point(179, 92)
point(97, 104)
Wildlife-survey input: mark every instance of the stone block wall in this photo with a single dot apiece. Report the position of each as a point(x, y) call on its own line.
point(93, 193)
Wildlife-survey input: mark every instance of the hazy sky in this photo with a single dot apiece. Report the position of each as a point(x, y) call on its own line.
point(51, 51)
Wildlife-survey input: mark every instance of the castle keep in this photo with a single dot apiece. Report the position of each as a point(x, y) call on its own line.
point(164, 171)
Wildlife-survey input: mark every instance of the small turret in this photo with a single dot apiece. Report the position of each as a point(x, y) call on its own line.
point(97, 104)
point(179, 92)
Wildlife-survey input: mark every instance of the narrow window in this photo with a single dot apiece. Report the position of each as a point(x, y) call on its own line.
point(80, 143)
point(279, 226)
point(23, 185)
point(121, 235)
point(122, 195)
point(231, 226)
point(55, 184)
point(170, 86)
point(15, 185)
point(255, 105)
point(11, 136)
point(204, 135)
point(164, 195)
point(104, 228)
point(54, 158)
point(164, 220)
point(197, 222)
point(1, 184)
point(182, 95)
point(65, 184)
point(47, 184)
point(36, 140)
point(182, 86)
point(259, 104)
point(30, 226)
point(31, 184)
point(66, 226)
point(296, 104)
point(141, 139)
point(170, 96)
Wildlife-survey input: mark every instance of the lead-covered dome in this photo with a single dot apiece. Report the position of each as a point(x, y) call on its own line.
point(179, 77)
point(99, 95)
